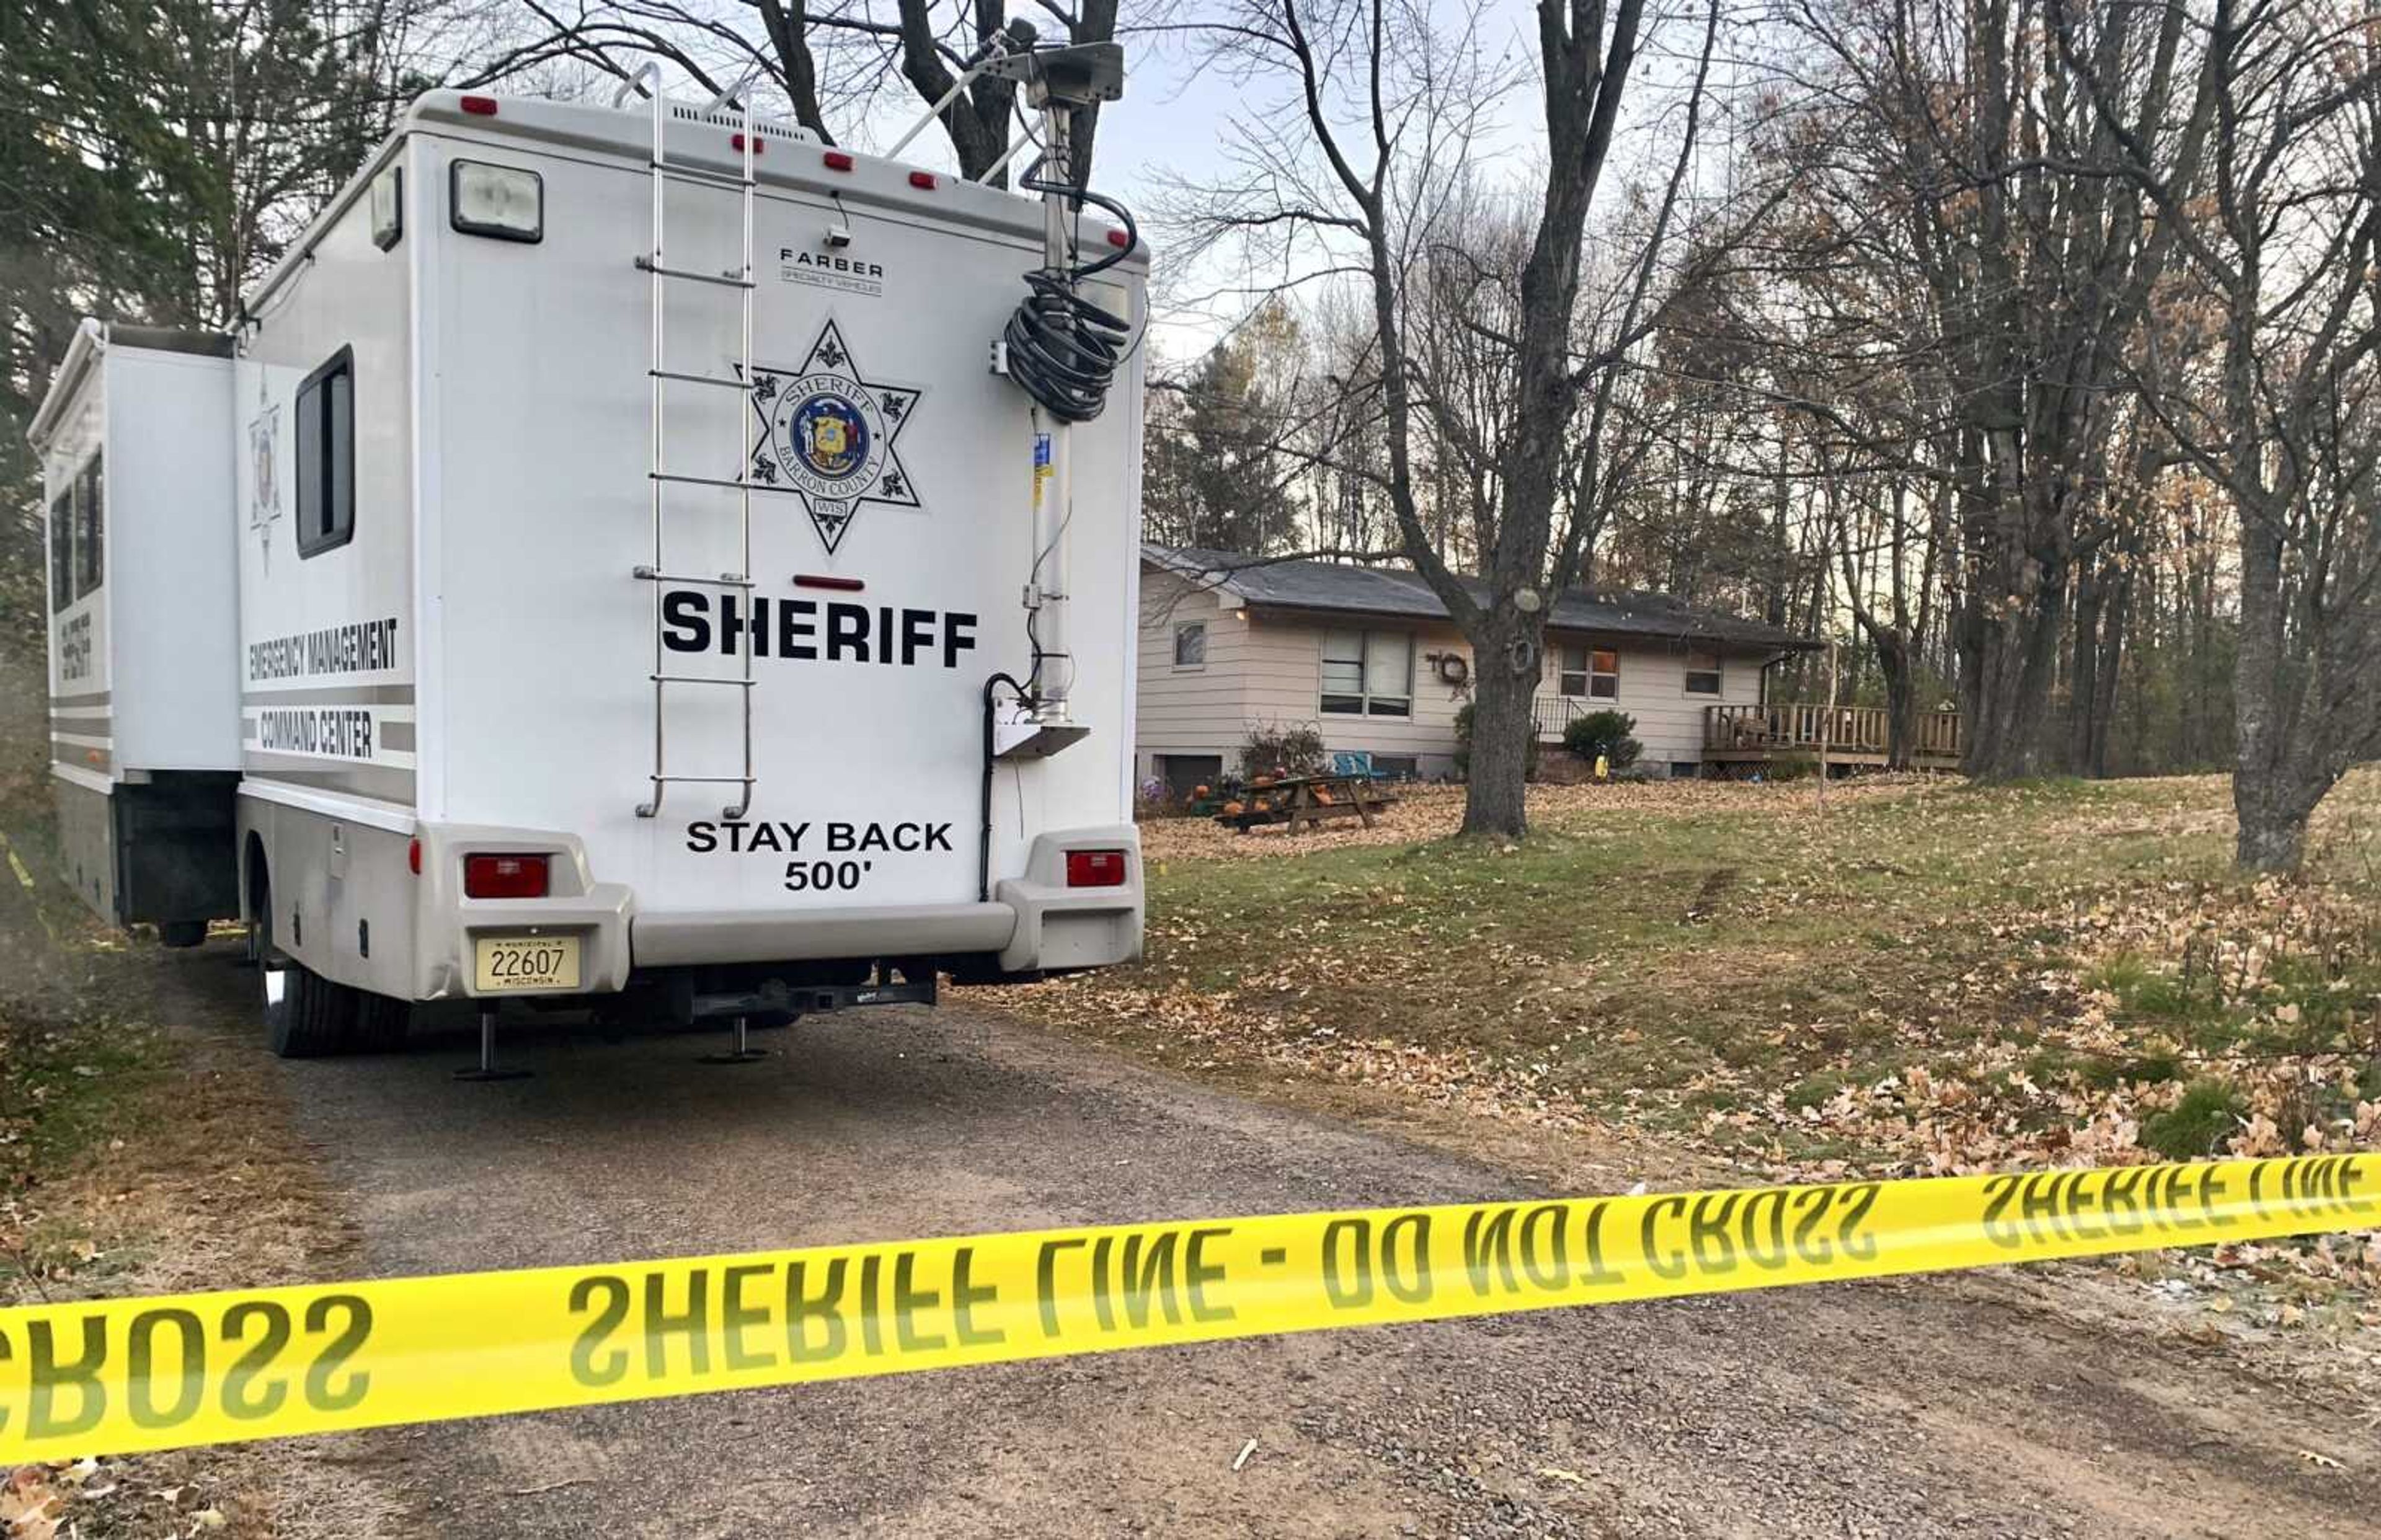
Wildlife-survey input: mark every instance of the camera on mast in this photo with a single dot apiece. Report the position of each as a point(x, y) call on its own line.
point(1075, 76)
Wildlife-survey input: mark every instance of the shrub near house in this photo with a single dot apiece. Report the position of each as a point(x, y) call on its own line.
point(1274, 750)
point(1604, 734)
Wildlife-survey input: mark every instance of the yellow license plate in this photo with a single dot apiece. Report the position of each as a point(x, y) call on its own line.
point(503, 963)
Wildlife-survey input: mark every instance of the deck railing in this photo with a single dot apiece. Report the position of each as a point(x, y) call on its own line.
point(1794, 727)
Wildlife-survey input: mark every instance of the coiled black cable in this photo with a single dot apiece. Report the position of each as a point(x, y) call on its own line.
point(1062, 349)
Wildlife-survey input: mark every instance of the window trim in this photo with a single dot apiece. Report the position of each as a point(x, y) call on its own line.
point(1588, 673)
point(1718, 672)
point(1181, 630)
point(1363, 697)
point(309, 542)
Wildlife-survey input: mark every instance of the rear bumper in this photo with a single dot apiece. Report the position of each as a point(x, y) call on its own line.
point(688, 938)
point(1031, 922)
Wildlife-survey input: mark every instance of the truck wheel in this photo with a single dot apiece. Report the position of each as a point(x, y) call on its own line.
point(306, 1016)
point(381, 1022)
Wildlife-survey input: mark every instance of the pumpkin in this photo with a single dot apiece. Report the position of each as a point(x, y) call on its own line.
point(1323, 795)
point(1201, 792)
point(1233, 810)
point(1262, 780)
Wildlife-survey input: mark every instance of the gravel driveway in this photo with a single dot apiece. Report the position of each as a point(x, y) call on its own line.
point(1921, 1407)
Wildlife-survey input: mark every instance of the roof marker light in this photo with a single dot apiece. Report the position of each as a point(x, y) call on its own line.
point(923, 178)
point(1119, 239)
point(735, 141)
point(479, 106)
point(837, 160)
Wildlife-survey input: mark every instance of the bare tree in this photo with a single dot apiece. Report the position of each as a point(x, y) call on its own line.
point(828, 61)
point(1361, 177)
point(2284, 243)
point(1970, 129)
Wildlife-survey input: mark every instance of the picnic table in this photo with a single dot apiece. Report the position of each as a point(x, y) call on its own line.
point(1307, 799)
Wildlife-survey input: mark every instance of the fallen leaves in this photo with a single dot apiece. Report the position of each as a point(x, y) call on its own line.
point(1928, 979)
point(68, 1498)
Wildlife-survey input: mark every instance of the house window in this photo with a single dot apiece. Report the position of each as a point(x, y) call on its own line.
point(1191, 645)
point(90, 530)
point(327, 456)
point(1185, 774)
point(1590, 671)
point(1367, 673)
point(1703, 673)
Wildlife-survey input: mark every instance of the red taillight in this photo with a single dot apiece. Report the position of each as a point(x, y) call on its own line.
point(1095, 869)
point(735, 141)
point(479, 106)
point(503, 876)
point(923, 178)
point(1119, 239)
point(837, 161)
point(413, 856)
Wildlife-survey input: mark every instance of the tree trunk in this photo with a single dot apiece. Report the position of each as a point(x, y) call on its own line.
point(2273, 819)
point(2083, 673)
point(2015, 657)
point(2115, 621)
point(2273, 829)
point(1495, 802)
point(1900, 700)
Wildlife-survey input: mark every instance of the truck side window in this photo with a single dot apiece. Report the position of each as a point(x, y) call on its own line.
point(62, 550)
point(327, 456)
point(90, 530)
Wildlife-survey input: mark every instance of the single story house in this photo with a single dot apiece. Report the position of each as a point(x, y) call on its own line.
point(1369, 656)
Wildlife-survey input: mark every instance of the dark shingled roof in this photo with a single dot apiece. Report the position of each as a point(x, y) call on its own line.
point(1334, 586)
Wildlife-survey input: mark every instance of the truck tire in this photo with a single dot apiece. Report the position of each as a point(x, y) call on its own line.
point(306, 1016)
point(382, 1021)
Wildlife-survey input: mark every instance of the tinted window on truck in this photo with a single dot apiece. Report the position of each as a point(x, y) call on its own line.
point(327, 456)
point(90, 530)
point(62, 550)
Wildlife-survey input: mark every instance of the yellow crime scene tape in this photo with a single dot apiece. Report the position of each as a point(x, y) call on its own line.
point(122, 1375)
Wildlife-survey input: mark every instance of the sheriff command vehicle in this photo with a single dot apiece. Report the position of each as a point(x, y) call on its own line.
point(631, 551)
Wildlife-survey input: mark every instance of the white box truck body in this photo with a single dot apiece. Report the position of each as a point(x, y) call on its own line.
point(469, 533)
point(136, 450)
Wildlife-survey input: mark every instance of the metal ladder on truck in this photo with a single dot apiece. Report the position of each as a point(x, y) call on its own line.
point(660, 477)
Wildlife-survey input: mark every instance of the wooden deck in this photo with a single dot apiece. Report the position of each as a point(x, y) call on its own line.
point(1752, 736)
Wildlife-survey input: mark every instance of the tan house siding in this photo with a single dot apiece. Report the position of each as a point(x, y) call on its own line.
point(1190, 710)
point(1654, 690)
point(1265, 668)
point(1285, 674)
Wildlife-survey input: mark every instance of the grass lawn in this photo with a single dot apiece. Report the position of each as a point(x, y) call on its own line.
point(1927, 977)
